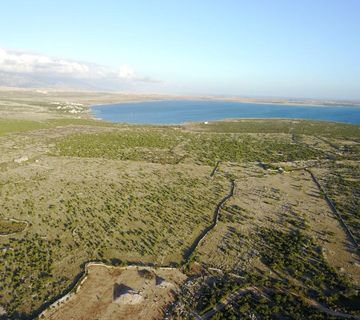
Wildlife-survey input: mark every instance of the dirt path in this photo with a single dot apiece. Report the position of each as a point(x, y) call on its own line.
point(328, 311)
point(321, 189)
point(221, 305)
point(334, 210)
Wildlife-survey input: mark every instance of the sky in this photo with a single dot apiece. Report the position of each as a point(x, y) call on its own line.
point(260, 48)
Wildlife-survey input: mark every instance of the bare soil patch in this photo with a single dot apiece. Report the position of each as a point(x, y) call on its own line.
point(120, 293)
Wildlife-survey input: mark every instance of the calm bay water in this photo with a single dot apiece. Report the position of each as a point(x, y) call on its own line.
point(177, 112)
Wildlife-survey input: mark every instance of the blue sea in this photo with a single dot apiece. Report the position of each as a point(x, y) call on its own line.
point(181, 111)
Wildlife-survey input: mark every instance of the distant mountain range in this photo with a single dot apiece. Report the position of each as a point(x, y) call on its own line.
point(31, 80)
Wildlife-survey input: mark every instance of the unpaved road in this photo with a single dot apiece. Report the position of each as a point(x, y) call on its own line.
point(222, 304)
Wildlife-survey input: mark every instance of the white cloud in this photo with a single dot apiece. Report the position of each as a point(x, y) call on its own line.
point(39, 65)
point(125, 72)
point(21, 62)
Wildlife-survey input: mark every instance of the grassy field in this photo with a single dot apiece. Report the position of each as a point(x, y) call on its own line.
point(90, 190)
point(9, 126)
point(15, 126)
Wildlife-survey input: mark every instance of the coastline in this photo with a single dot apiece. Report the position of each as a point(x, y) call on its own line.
point(289, 103)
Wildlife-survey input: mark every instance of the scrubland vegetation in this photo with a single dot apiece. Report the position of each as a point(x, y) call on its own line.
point(343, 186)
point(126, 194)
point(299, 127)
point(109, 212)
point(173, 146)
